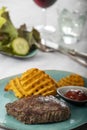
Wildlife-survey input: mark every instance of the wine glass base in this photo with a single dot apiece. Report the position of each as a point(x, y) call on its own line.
point(46, 28)
point(48, 32)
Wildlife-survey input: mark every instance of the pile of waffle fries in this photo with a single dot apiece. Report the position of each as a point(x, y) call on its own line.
point(37, 82)
point(32, 82)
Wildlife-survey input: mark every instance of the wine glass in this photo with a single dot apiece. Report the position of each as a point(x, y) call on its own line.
point(46, 31)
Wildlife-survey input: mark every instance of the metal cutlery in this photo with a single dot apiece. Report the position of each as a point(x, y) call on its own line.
point(49, 46)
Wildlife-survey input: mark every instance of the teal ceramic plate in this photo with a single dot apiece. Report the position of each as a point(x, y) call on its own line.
point(31, 54)
point(78, 114)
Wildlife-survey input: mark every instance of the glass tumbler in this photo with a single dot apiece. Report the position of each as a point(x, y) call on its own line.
point(72, 20)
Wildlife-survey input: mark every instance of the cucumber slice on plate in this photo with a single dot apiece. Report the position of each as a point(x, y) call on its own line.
point(20, 46)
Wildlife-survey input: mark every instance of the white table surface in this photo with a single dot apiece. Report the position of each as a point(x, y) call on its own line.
point(55, 61)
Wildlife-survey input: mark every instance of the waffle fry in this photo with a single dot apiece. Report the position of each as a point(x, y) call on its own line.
point(73, 79)
point(37, 82)
point(15, 86)
point(32, 82)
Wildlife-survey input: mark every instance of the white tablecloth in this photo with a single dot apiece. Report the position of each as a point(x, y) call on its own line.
point(25, 11)
point(10, 66)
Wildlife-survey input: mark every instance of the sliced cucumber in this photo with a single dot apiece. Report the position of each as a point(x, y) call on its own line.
point(20, 46)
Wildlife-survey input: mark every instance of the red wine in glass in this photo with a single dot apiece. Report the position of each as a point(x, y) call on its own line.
point(44, 3)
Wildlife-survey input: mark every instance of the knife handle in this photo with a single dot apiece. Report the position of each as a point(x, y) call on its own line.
point(77, 54)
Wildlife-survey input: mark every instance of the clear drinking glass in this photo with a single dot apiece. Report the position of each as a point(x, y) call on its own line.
point(72, 22)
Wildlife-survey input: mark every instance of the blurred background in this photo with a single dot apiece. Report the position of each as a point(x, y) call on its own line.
point(21, 11)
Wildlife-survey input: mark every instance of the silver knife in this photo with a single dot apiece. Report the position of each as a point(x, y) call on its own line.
point(66, 50)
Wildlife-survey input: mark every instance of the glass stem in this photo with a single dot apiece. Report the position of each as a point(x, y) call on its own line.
point(44, 21)
point(44, 18)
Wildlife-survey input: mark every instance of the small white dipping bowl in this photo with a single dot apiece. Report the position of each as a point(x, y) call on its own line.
point(63, 90)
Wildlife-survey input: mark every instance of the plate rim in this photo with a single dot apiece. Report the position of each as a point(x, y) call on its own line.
point(46, 70)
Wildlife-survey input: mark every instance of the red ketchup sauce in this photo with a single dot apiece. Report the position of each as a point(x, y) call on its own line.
point(77, 95)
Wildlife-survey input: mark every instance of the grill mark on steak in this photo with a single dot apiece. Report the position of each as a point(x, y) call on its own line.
point(38, 109)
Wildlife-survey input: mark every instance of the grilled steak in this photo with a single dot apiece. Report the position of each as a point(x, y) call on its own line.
point(38, 109)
